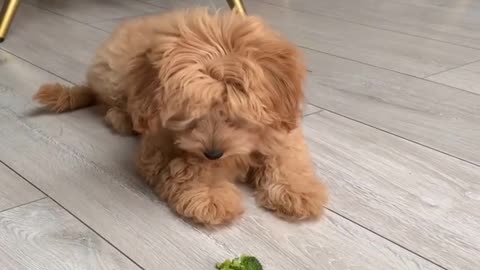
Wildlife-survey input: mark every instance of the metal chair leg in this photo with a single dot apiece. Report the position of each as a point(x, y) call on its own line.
point(237, 5)
point(6, 16)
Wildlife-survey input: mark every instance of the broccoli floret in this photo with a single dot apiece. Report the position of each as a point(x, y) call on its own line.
point(244, 262)
point(251, 263)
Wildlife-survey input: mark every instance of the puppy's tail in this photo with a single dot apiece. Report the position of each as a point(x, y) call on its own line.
point(60, 98)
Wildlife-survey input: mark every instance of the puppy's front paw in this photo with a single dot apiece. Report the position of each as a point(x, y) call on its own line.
point(292, 202)
point(210, 205)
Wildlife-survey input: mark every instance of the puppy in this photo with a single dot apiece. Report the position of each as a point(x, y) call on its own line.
point(217, 99)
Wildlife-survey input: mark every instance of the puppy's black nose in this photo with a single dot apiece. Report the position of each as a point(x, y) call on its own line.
point(213, 154)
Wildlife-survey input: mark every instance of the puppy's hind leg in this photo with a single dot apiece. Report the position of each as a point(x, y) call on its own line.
point(119, 120)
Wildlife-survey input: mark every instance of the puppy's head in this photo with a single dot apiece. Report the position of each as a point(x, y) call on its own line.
point(229, 83)
point(215, 135)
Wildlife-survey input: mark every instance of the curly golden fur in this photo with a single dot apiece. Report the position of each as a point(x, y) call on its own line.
point(216, 98)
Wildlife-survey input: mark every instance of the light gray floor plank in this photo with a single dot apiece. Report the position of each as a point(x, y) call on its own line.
point(90, 11)
point(42, 235)
point(395, 51)
point(417, 197)
point(14, 190)
point(55, 43)
point(111, 25)
point(466, 77)
point(76, 160)
point(455, 22)
point(434, 115)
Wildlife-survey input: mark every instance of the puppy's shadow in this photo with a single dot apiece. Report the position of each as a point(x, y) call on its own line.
point(96, 111)
point(38, 111)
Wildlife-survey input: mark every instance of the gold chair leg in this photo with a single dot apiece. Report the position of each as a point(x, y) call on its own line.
point(6, 16)
point(237, 5)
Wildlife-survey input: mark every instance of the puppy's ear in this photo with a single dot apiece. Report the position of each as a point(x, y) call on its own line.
point(273, 78)
point(285, 71)
point(267, 87)
point(142, 87)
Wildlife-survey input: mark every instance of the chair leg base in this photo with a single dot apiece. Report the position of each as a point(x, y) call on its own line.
point(6, 16)
point(237, 6)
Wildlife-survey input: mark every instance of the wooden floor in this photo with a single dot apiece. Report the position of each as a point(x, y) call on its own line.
point(393, 124)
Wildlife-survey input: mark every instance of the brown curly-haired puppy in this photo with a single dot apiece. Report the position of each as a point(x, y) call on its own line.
point(217, 98)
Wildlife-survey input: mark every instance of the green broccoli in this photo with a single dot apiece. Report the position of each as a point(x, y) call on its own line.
point(244, 262)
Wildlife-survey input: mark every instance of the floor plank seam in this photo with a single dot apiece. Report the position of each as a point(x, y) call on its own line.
point(383, 68)
point(369, 26)
point(317, 109)
point(398, 136)
point(65, 148)
point(22, 204)
point(53, 12)
point(92, 24)
point(130, 16)
point(37, 66)
point(385, 238)
point(152, 3)
point(440, 72)
point(69, 212)
point(320, 110)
